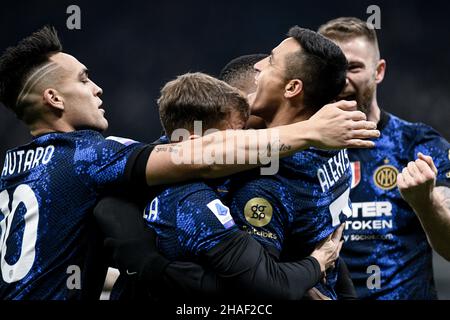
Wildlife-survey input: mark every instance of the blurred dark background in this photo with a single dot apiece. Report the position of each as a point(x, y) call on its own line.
point(134, 47)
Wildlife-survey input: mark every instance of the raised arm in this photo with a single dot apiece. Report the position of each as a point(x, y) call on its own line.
point(334, 126)
point(431, 203)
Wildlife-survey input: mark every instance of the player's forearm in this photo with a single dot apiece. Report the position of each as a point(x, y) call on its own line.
point(247, 149)
point(434, 216)
point(224, 153)
point(245, 267)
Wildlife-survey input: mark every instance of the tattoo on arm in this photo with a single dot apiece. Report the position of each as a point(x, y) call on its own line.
point(285, 147)
point(282, 147)
point(167, 148)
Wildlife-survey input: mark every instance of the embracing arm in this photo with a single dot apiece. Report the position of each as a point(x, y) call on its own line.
point(239, 263)
point(334, 126)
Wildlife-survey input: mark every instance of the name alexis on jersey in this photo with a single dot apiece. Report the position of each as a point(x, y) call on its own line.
point(23, 160)
point(333, 170)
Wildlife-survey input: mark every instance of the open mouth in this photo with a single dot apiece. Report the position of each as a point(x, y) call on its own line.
point(101, 109)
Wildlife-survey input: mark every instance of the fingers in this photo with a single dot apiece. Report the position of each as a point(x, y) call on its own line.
point(345, 105)
point(401, 184)
point(358, 143)
point(425, 170)
point(365, 134)
point(323, 242)
point(415, 173)
point(338, 249)
point(409, 181)
point(429, 161)
point(413, 170)
point(337, 234)
point(315, 294)
point(355, 115)
point(362, 124)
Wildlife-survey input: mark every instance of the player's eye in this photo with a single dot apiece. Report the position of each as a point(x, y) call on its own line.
point(354, 67)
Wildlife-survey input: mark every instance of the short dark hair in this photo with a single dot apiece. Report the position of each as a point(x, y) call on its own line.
point(18, 62)
point(237, 70)
point(346, 28)
point(198, 97)
point(320, 64)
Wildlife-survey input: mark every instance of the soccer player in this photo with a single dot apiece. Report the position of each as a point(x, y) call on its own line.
point(193, 224)
point(293, 211)
point(419, 187)
point(49, 186)
point(240, 73)
point(386, 247)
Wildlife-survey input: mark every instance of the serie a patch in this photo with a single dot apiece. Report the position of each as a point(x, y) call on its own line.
point(222, 212)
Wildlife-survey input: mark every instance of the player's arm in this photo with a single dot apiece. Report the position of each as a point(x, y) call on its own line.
point(242, 264)
point(334, 126)
point(431, 203)
point(345, 288)
point(245, 268)
point(239, 261)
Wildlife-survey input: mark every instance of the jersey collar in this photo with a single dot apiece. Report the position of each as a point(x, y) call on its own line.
point(384, 119)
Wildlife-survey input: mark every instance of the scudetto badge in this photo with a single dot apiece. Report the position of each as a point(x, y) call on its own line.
point(385, 177)
point(258, 212)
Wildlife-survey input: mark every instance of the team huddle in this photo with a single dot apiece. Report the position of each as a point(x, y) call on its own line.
point(358, 199)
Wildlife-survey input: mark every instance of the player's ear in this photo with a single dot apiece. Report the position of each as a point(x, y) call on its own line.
point(53, 98)
point(293, 88)
point(380, 70)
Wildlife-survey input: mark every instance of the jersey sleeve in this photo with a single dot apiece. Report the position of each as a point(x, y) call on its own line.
point(104, 163)
point(431, 143)
point(203, 221)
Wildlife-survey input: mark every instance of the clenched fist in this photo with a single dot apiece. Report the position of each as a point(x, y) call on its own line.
point(417, 181)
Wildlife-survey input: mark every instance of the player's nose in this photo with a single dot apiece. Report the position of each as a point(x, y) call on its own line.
point(259, 65)
point(97, 90)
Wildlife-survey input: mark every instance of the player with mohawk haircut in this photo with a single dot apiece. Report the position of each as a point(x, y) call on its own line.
point(25, 65)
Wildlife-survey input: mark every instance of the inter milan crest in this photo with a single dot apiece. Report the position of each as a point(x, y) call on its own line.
point(258, 212)
point(385, 177)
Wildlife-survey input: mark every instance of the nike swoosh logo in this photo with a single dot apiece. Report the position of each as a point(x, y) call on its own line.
point(130, 273)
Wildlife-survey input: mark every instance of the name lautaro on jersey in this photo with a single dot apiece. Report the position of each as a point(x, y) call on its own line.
point(333, 170)
point(23, 160)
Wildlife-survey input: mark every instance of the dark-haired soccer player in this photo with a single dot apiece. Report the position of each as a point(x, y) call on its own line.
point(240, 73)
point(384, 238)
point(307, 200)
point(48, 186)
point(193, 224)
